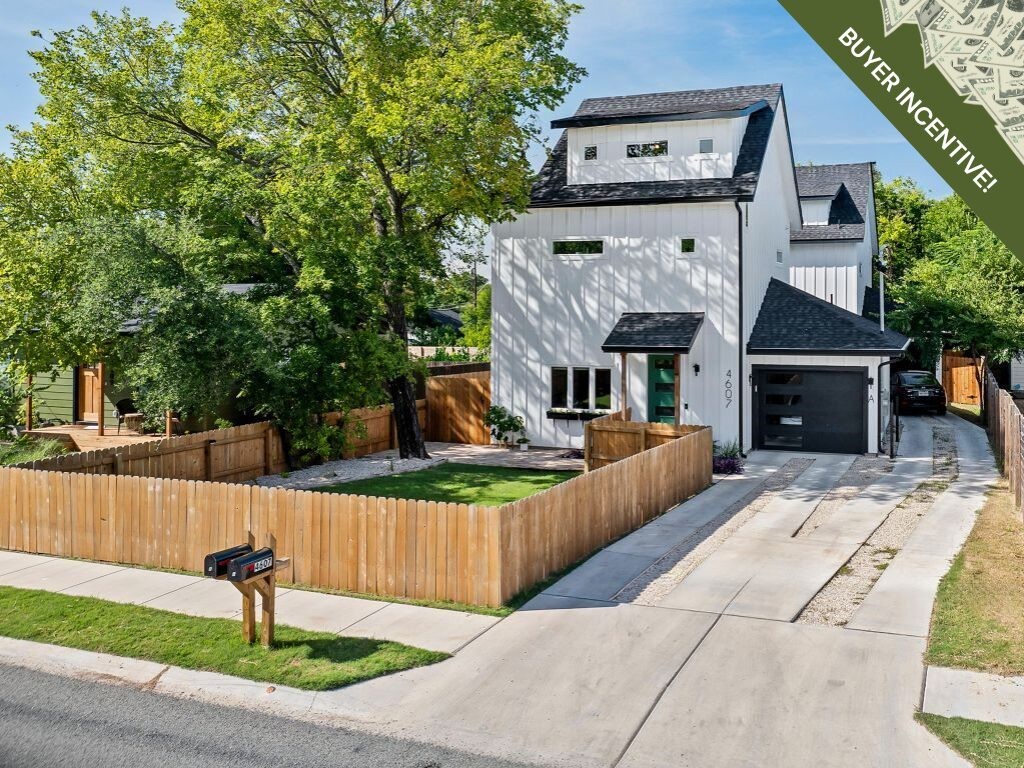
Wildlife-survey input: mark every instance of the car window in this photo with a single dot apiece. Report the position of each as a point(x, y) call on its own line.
point(918, 380)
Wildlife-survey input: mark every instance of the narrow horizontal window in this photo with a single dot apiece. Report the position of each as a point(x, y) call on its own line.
point(590, 153)
point(791, 379)
point(559, 387)
point(688, 245)
point(578, 247)
point(648, 149)
point(706, 146)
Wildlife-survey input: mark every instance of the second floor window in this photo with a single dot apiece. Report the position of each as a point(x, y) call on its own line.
point(578, 247)
point(649, 149)
point(590, 153)
point(706, 146)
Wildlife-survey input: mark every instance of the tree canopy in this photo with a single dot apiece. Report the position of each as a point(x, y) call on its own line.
point(328, 151)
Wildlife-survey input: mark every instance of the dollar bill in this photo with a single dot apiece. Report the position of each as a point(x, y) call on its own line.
point(1006, 112)
point(1015, 138)
point(980, 23)
point(961, 7)
point(959, 72)
point(898, 12)
point(991, 55)
point(928, 12)
point(963, 46)
point(1009, 25)
point(1010, 82)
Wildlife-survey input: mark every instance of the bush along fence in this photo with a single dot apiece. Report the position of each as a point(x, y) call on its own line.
point(388, 547)
point(1005, 424)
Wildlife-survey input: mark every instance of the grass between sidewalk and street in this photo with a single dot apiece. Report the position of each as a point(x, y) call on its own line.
point(315, 661)
point(459, 483)
point(978, 623)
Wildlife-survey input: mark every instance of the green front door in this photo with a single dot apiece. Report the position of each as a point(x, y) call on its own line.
point(661, 389)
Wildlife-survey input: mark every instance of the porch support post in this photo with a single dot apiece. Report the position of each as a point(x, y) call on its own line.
point(101, 416)
point(675, 387)
point(623, 391)
point(28, 403)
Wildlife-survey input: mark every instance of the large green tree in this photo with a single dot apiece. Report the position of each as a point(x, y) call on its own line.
point(330, 150)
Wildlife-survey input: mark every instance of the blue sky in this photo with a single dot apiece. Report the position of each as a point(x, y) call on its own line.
point(627, 46)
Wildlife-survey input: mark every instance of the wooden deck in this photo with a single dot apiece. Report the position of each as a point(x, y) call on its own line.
point(80, 437)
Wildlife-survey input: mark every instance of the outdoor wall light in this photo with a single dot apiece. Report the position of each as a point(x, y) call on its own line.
point(696, 369)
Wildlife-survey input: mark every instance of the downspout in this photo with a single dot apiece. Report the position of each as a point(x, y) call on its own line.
point(740, 379)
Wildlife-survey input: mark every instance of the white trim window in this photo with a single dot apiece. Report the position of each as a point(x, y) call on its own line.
point(705, 146)
point(580, 388)
point(590, 153)
point(647, 150)
point(688, 247)
point(578, 247)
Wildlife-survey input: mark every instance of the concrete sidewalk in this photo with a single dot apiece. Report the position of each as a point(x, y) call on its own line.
point(435, 629)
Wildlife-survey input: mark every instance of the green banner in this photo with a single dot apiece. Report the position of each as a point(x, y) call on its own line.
point(949, 75)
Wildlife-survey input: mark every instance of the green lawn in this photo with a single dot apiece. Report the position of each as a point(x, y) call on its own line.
point(984, 744)
point(462, 483)
point(978, 620)
point(27, 449)
point(314, 661)
point(966, 411)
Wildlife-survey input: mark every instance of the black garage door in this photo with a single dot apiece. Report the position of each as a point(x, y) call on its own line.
point(811, 409)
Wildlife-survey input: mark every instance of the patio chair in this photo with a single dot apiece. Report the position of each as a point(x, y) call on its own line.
point(126, 413)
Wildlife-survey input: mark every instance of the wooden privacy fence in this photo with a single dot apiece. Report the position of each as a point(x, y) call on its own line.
point(960, 377)
point(457, 406)
point(607, 441)
point(230, 455)
point(1006, 432)
point(405, 548)
point(380, 433)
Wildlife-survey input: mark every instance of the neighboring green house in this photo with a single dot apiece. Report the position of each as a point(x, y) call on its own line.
point(71, 397)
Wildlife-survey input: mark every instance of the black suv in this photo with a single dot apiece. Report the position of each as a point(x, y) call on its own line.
point(919, 391)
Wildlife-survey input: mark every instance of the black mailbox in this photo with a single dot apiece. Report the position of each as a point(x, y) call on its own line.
point(216, 565)
point(245, 567)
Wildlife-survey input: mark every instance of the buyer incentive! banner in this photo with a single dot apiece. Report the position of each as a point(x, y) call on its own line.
point(949, 74)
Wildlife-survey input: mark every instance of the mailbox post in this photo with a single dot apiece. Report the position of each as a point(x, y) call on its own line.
point(252, 571)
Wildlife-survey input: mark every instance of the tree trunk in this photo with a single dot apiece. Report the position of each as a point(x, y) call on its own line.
point(407, 421)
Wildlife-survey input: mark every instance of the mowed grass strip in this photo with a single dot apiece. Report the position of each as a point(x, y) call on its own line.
point(459, 483)
point(314, 661)
point(984, 744)
point(978, 621)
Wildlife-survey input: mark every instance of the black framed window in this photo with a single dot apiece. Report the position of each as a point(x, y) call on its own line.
point(590, 153)
point(647, 149)
point(581, 388)
point(688, 245)
point(706, 146)
point(559, 387)
point(603, 388)
point(578, 247)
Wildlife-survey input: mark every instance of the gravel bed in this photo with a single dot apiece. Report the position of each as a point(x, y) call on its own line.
point(838, 600)
point(662, 576)
point(343, 471)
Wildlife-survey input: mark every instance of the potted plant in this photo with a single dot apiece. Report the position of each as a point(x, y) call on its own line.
point(504, 424)
point(524, 443)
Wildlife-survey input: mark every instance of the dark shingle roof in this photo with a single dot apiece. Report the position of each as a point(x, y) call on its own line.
point(672, 332)
point(793, 321)
point(677, 105)
point(552, 190)
point(851, 187)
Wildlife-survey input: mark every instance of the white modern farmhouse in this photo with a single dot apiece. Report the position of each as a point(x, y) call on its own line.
point(673, 259)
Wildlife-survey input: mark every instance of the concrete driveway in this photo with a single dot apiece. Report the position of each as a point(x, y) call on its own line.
point(716, 673)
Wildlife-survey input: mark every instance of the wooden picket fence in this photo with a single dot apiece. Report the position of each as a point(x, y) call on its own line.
point(379, 433)
point(396, 547)
point(960, 377)
point(1005, 424)
point(457, 406)
point(609, 440)
point(229, 455)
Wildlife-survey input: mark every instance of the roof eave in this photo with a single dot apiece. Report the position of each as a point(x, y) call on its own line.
point(584, 121)
point(889, 352)
point(653, 200)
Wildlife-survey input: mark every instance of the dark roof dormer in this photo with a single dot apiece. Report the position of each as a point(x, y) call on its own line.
point(848, 187)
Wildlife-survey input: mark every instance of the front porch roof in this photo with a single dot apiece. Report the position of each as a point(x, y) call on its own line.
point(654, 332)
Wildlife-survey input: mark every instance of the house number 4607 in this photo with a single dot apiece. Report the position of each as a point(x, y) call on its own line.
point(728, 388)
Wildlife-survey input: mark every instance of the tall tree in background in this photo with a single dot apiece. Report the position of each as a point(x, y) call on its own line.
point(330, 149)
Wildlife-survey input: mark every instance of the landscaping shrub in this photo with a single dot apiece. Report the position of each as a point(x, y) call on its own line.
point(728, 459)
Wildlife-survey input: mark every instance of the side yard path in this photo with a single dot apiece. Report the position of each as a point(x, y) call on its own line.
point(433, 629)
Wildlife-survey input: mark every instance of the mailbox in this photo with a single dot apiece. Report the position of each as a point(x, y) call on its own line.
point(251, 565)
point(215, 566)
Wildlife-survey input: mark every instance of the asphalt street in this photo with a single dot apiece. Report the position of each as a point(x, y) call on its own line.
point(57, 722)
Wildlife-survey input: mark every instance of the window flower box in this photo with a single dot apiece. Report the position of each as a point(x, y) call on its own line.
point(568, 414)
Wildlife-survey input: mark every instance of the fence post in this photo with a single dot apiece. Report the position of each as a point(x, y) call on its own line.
point(268, 463)
point(208, 458)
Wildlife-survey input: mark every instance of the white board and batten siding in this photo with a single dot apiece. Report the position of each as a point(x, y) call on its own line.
point(557, 310)
point(684, 159)
point(1016, 375)
point(832, 271)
